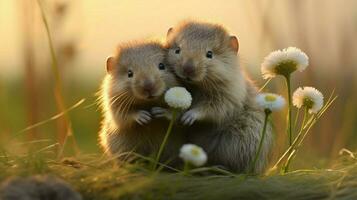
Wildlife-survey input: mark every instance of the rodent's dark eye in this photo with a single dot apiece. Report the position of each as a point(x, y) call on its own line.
point(161, 66)
point(130, 73)
point(209, 54)
point(178, 50)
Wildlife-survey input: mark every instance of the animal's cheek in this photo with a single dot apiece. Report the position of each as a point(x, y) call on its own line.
point(169, 80)
point(201, 66)
point(176, 68)
point(171, 60)
point(175, 59)
point(179, 70)
point(134, 85)
point(162, 85)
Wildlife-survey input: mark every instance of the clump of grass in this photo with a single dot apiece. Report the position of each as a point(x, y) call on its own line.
point(97, 177)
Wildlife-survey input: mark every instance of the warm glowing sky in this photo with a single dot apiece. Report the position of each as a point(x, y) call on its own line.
point(100, 24)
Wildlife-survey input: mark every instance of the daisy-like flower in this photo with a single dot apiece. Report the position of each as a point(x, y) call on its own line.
point(284, 62)
point(178, 97)
point(309, 97)
point(193, 154)
point(270, 101)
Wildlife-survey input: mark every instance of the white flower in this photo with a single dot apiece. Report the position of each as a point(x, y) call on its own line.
point(193, 154)
point(309, 97)
point(270, 101)
point(178, 97)
point(284, 62)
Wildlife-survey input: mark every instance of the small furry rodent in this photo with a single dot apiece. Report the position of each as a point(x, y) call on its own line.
point(37, 188)
point(131, 101)
point(223, 118)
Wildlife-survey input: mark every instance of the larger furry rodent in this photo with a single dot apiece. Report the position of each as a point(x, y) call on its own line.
point(223, 119)
point(136, 79)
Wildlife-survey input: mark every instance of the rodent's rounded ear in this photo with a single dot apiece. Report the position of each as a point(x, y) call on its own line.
point(110, 64)
point(234, 43)
point(169, 31)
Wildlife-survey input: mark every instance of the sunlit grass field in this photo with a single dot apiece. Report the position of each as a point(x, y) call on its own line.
point(32, 123)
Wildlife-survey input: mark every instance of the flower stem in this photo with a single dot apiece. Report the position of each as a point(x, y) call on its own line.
point(304, 119)
point(252, 167)
point(288, 161)
point(293, 151)
point(289, 121)
point(164, 141)
point(186, 168)
point(289, 129)
point(296, 119)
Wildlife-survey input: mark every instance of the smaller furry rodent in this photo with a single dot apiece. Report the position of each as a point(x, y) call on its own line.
point(223, 119)
point(132, 102)
point(37, 188)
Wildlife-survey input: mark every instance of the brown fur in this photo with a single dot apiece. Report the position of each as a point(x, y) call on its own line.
point(123, 99)
point(225, 120)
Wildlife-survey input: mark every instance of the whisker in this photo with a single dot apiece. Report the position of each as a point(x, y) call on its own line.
point(121, 105)
point(118, 97)
point(126, 107)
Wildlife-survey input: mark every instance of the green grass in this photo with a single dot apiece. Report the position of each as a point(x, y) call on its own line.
point(97, 177)
point(85, 119)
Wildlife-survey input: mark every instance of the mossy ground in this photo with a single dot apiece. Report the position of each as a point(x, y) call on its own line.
point(99, 178)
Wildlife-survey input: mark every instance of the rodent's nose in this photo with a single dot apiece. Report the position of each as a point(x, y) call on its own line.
point(148, 86)
point(188, 70)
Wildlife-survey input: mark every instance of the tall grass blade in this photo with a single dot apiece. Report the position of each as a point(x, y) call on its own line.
point(58, 84)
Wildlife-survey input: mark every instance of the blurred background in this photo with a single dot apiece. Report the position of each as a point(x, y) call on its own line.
point(85, 32)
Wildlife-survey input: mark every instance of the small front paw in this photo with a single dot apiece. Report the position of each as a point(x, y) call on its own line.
point(159, 112)
point(189, 117)
point(143, 117)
